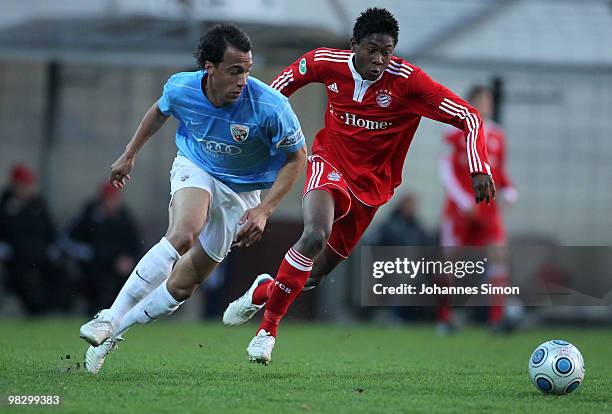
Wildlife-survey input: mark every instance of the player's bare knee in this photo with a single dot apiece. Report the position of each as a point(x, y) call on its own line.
point(313, 240)
point(182, 241)
point(180, 292)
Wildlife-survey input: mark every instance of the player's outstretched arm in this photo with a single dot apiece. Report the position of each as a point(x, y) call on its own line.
point(254, 220)
point(435, 101)
point(153, 120)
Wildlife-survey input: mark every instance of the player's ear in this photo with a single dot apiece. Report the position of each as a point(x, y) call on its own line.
point(354, 44)
point(209, 66)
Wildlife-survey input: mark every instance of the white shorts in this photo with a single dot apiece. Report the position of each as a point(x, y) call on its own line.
point(225, 210)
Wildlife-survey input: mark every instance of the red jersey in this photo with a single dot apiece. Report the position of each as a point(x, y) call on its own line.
point(369, 125)
point(455, 169)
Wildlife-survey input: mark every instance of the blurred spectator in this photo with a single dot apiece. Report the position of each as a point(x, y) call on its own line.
point(27, 233)
point(403, 228)
point(213, 289)
point(106, 242)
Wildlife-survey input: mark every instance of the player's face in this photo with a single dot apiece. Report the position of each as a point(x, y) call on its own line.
point(484, 103)
point(229, 77)
point(372, 54)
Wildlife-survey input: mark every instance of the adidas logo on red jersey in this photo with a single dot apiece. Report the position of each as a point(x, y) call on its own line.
point(333, 87)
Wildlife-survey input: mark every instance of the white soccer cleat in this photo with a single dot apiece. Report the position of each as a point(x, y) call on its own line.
point(243, 308)
point(99, 329)
point(94, 357)
point(260, 348)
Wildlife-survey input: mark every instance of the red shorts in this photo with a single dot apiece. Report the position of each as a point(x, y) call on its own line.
point(351, 216)
point(485, 228)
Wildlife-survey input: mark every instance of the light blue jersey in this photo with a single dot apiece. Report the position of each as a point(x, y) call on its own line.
point(243, 144)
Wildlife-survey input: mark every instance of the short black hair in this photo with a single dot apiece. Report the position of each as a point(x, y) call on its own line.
point(477, 90)
point(375, 20)
point(214, 42)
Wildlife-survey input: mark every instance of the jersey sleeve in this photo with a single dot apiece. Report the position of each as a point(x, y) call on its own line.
point(284, 131)
point(303, 71)
point(433, 100)
point(164, 103)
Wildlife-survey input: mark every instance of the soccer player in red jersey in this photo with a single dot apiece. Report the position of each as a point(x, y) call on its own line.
point(464, 223)
point(375, 103)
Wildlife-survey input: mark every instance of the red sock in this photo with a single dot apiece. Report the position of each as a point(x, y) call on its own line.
point(290, 279)
point(262, 292)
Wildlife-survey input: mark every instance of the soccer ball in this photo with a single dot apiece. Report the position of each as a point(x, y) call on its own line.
point(556, 367)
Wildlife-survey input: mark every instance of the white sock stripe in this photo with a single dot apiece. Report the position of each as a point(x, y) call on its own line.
point(464, 114)
point(297, 260)
point(474, 119)
point(280, 78)
point(305, 259)
point(296, 264)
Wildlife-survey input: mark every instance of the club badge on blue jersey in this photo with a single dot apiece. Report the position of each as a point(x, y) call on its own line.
point(239, 132)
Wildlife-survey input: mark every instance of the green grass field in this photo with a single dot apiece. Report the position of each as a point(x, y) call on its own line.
point(202, 368)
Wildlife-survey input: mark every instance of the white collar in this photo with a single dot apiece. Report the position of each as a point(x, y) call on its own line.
point(356, 74)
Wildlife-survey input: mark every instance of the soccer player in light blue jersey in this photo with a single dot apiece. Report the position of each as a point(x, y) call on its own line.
point(236, 137)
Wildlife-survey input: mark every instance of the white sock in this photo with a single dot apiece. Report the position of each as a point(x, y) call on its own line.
point(154, 268)
point(159, 303)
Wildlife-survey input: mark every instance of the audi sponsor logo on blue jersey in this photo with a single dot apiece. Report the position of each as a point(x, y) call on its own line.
point(220, 148)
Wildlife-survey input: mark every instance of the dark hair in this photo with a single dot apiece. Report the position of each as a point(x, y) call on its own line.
point(375, 20)
point(214, 42)
point(477, 90)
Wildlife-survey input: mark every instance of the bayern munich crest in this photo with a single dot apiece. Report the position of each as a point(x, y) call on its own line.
point(334, 176)
point(383, 99)
point(239, 132)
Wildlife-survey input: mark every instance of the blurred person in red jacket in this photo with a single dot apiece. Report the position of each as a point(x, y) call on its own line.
point(467, 224)
point(27, 233)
